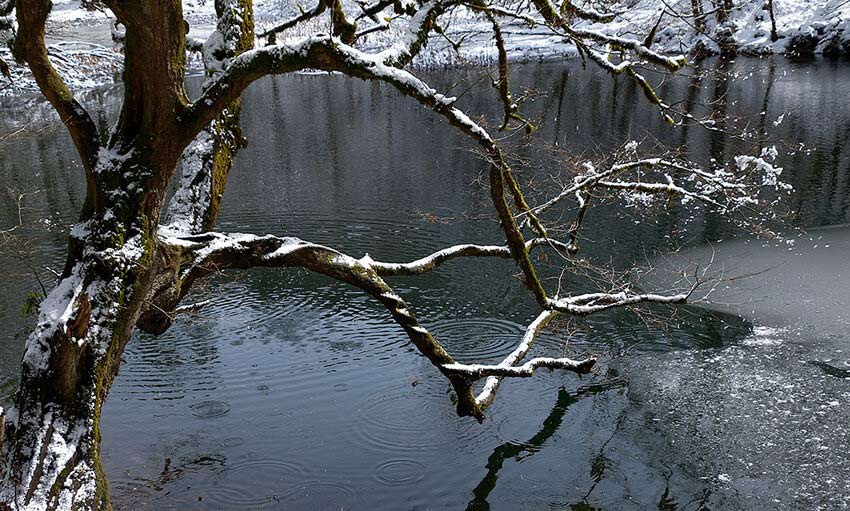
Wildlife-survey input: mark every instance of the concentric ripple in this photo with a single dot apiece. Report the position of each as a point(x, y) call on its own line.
point(400, 472)
point(256, 483)
point(477, 339)
point(209, 409)
point(406, 418)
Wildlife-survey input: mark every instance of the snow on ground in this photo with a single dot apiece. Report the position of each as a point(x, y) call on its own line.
point(817, 26)
point(826, 23)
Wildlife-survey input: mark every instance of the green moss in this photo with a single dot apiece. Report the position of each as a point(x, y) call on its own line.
point(31, 303)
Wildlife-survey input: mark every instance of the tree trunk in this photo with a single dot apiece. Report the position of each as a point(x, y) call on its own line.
point(52, 449)
point(774, 35)
point(51, 453)
point(696, 12)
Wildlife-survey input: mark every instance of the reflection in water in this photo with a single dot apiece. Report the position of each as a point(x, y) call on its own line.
point(291, 391)
point(513, 450)
point(551, 424)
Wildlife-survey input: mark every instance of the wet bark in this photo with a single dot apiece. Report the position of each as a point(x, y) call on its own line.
point(51, 451)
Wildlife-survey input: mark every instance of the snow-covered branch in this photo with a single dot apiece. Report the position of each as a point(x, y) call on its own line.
point(428, 263)
point(304, 15)
point(213, 252)
point(633, 45)
point(326, 53)
point(478, 371)
point(330, 54)
point(586, 304)
point(485, 398)
point(722, 189)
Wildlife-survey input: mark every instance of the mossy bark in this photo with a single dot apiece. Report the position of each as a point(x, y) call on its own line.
point(51, 451)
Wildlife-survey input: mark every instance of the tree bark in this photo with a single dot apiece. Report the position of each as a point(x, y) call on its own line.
point(51, 452)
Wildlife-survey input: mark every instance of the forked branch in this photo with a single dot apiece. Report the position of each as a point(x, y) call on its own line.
point(31, 48)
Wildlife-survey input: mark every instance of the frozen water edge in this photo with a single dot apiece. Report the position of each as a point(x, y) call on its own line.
point(764, 420)
point(763, 427)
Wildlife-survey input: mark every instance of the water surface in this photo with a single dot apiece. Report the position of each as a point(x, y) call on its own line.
point(291, 391)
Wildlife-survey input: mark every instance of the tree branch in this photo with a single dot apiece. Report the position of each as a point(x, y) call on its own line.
point(214, 252)
point(329, 54)
point(478, 371)
point(428, 263)
point(321, 6)
point(491, 385)
point(584, 305)
point(31, 48)
point(719, 182)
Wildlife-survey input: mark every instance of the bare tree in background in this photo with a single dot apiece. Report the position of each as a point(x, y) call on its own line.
point(774, 35)
point(132, 257)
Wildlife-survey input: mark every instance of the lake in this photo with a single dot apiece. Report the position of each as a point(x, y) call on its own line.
point(291, 391)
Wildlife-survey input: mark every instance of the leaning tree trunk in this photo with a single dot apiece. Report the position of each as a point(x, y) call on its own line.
point(52, 444)
point(51, 451)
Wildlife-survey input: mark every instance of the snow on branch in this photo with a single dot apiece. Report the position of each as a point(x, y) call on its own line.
point(586, 304)
point(633, 45)
point(507, 367)
point(415, 36)
point(723, 189)
point(212, 252)
point(428, 263)
point(321, 6)
point(215, 251)
point(326, 53)
point(478, 371)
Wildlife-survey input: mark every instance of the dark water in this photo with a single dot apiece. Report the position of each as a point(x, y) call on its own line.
point(291, 391)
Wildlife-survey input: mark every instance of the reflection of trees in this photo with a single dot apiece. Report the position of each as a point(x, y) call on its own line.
point(520, 451)
point(717, 139)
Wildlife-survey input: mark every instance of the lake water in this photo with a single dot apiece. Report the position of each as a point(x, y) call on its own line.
point(291, 391)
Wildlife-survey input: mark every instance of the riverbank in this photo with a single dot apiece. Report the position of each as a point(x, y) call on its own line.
point(82, 47)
